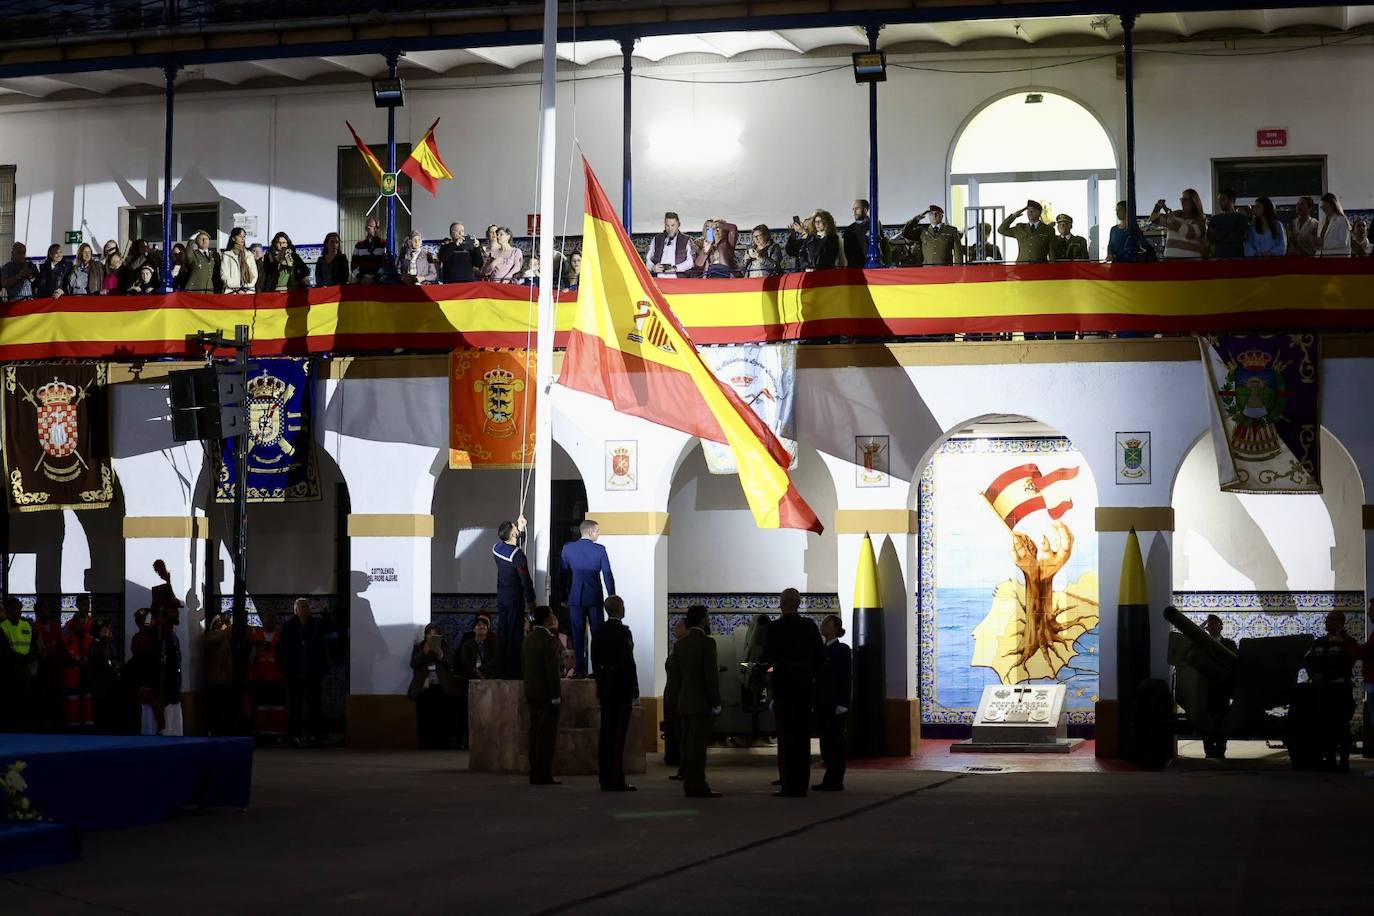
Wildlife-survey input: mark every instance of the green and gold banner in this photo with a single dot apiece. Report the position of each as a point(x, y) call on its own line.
point(57, 436)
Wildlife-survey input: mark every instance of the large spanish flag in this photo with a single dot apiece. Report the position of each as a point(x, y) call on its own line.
point(425, 165)
point(369, 158)
point(627, 346)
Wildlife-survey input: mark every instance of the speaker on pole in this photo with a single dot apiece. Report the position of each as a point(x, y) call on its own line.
point(207, 403)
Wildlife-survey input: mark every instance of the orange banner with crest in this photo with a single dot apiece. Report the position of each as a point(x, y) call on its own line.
point(491, 408)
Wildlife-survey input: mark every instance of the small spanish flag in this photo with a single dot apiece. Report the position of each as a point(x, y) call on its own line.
point(628, 347)
point(370, 158)
point(425, 165)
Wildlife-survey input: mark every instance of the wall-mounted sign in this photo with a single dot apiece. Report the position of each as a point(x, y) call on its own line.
point(74, 237)
point(383, 575)
point(531, 224)
point(248, 222)
point(388, 184)
point(1271, 138)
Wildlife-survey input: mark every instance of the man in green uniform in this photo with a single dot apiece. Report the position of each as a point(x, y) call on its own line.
point(17, 662)
point(698, 700)
point(1032, 237)
point(1065, 246)
point(938, 241)
point(540, 655)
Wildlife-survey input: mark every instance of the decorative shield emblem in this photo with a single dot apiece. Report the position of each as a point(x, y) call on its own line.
point(57, 418)
point(498, 388)
point(267, 419)
point(620, 462)
point(388, 184)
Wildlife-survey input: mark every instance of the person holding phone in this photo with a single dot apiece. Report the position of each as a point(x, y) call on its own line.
point(433, 687)
point(717, 257)
point(670, 252)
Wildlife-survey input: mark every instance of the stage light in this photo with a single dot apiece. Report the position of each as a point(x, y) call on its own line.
point(388, 93)
point(870, 66)
point(1034, 98)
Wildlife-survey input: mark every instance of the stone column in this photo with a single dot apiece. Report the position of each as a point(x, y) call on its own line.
point(637, 543)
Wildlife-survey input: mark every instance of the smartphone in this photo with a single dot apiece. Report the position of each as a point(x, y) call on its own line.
point(796, 219)
point(710, 234)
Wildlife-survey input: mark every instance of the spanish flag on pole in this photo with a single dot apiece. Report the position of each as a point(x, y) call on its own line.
point(425, 165)
point(369, 158)
point(628, 347)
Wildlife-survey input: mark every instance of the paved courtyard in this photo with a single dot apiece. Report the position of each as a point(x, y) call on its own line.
point(345, 832)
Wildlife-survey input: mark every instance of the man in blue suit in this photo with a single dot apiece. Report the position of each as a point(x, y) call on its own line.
point(584, 565)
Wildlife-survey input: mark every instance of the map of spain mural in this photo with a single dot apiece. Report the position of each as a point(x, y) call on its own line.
point(1009, 590)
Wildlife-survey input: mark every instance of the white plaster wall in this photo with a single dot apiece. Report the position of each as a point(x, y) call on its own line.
point(716, 547)
point(79, 162)
point(1239, 542)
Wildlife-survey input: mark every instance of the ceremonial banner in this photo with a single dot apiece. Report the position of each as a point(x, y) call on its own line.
point(1265, 405)
point(628, 347)
point(764, 376)
point(281, 450)
point(491, 397)
point(57, 436)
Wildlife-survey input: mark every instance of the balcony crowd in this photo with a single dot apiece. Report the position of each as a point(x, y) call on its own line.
point(815, 242)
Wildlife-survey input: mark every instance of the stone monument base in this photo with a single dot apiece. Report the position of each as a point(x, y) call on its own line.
point(499, 722)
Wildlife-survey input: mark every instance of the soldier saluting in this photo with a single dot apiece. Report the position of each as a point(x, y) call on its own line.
point(1033, 237)
point(937, 240)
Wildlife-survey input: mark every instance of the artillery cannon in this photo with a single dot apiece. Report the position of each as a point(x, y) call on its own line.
point(1223, 692)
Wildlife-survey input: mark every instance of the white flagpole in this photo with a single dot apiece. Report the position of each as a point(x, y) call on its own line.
point(541, 524)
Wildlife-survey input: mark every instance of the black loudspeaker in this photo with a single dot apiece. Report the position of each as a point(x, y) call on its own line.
point(206, 403)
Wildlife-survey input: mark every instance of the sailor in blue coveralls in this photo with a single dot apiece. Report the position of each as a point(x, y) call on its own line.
point(514, 594)
point(584, 566)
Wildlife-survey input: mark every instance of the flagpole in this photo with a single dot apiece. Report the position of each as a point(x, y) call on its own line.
point(542, 522)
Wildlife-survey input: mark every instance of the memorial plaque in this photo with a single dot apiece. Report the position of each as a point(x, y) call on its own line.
point(1021, 714)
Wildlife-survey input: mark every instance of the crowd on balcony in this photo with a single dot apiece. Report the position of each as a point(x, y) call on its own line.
point(815, 242)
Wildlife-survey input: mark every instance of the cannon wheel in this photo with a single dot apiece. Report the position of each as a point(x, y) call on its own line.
point(1153, 727)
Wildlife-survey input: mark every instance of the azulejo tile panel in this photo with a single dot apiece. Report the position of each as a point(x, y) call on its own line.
point(730, 612)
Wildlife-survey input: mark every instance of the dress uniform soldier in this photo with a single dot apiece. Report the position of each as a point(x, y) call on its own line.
point(796, 653)
point(698, 700)
point(1032, 237)
point(938, 241)
point(585, 566)
point(617, 688)
point(672, 728)
point(1065, 246)
point(514, 593)
point(543, 692)
point(834, 686)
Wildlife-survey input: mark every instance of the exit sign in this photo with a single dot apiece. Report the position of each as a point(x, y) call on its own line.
point(1271, 138)
point(74, 237)
point(532, 224)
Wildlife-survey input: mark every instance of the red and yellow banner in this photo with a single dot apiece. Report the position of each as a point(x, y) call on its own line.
point(1199, 297)
point(628, 347)
point(425, 165)
point(491, 397)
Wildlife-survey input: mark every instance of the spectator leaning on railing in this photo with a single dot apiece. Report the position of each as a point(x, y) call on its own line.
point(1185, 229)
point(1266, 237)
point(87, 275)
point(238, 269)
point(1228, 228)
point(1302, 235)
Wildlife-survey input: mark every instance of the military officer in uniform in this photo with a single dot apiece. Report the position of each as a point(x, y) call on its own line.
point(543, 693)
point(795, 653)
point(938, 241)
point(834, 686)
point(1032, 237)
point(585, 566)
point(672, 728)
point(617, 690)
point(698, 700)
point(514, 593)
point(1065, 246)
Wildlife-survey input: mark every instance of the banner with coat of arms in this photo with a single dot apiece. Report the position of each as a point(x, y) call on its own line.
point(1264, 399)
point(491, 395)
point(57, 436)
point(764, 376)
point(281, 449)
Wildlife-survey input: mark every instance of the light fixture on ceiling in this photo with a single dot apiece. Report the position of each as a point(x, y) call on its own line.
point(1034, 98)
point(1099, 24)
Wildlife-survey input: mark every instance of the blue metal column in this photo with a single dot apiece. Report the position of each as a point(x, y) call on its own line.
point(627, 47)
point(392, 59)
point(169, 73)
point(1133, 238)
point(875, 227)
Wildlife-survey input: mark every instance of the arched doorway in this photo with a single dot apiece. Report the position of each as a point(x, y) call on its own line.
point(468, 506)
point(718, 557)
point(1269, 565)
point(1007, 587)
point(1033, 145)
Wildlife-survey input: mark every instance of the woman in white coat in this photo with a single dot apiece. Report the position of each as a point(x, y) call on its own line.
point(1333, 235)
point(238, 269)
